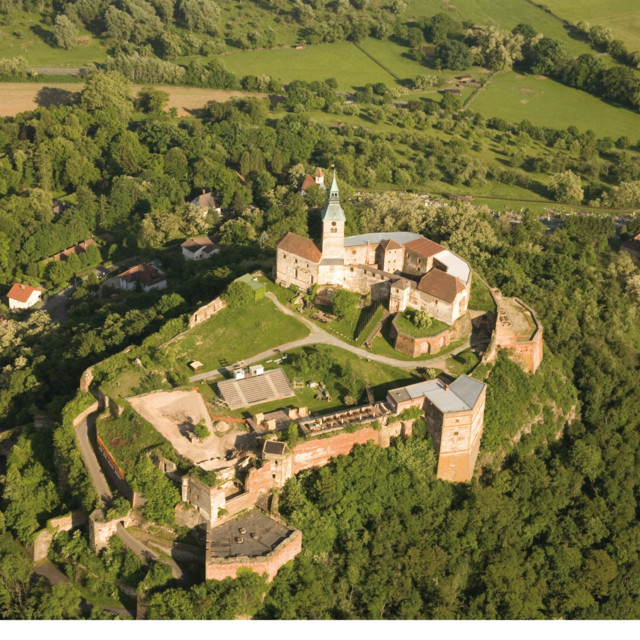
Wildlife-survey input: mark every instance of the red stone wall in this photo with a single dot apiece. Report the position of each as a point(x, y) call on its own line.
point(270, 564)
point(317, 453)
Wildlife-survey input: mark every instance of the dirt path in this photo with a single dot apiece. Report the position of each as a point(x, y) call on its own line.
point(16, 97)
point(319, 336)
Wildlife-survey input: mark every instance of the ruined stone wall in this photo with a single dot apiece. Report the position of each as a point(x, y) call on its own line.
point(102, 530)
point(221, 568)
point(206, 311)
point(317, 453)
point(39, 549)
point(207, 500)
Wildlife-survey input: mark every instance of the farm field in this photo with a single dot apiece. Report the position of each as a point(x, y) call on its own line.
point(505, 13)
point(622, 17)
point(547, 103)
point(340, 60)
point(26, 96)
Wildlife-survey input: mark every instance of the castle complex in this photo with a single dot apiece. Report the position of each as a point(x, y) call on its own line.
point(400, 269)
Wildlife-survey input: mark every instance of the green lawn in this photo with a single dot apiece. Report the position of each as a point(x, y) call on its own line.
point(548, 103)
point(340, 60)
point(234, 334)
point(404, 324)
point(29, 37)
point(621, 16)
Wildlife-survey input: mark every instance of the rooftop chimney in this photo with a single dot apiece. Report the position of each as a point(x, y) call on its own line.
point(203, 192)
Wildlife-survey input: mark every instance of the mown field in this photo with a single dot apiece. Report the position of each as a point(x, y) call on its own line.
point(340, 60)
point(621, 16)
point(548, 103)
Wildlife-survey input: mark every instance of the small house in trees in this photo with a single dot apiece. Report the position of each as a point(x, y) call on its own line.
point(256, 286)
point(199, 248)
point(22, 296)
point(148, 276)
point(77, 249)
point(206, 202)
point(309, 181)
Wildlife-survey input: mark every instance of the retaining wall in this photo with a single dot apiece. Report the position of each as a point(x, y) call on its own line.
point(39, 549)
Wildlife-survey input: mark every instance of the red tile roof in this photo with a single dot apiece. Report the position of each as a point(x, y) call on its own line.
point(633, 244)
point(81, 247)
point(300, 246)
point(319, 174)
point(307, 183)
point(441, 285)
point(203, 242)
point(424, 247)
point(146, 274)
point(21, 292)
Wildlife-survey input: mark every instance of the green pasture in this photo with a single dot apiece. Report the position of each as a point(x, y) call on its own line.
point(547, 103)
point(480, 299)
point(234, 334)
point(29, 37)
point(340, 60)
point(621, 16)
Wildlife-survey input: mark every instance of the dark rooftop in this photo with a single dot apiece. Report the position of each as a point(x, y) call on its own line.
point(259, 534)
point(274, 447)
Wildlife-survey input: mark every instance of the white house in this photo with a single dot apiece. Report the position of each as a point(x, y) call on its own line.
point(199, 248)
point(22, 296)
point(149, 277)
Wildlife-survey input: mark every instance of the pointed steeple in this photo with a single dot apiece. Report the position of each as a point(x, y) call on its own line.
point(332, 211)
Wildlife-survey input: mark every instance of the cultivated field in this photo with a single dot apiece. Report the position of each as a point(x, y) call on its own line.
point(26, 96)
point(547, 103)
point(621, 16)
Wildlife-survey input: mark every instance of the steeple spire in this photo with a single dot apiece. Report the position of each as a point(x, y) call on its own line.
point(332, 210)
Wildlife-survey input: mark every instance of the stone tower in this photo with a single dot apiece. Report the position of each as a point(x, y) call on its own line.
point(333, 219)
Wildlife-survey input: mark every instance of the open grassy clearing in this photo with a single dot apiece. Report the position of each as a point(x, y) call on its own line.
point(462, 362)
point(29, 37)
point(547, 103)
point(480, 299)
point(234, 334)
point(621, 16)
point(340, 60)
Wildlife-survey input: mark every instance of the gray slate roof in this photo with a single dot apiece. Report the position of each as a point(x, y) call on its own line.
point(461, 395)
point(401, 237)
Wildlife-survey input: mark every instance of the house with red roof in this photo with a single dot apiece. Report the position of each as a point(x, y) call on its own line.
point(22, 296)
point(199, 248)
point(149, 277)
point(309, 181)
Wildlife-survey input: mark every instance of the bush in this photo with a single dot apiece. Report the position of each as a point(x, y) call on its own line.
point(201, 431)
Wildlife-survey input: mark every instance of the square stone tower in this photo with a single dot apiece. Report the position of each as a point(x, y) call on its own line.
point(332, 264)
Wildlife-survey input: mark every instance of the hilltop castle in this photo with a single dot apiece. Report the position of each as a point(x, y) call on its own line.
point(401, 269)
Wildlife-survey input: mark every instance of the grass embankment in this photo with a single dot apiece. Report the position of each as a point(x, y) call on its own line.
point(405, 324)
point(480, 299)
point(234, 334)
point(129, 436)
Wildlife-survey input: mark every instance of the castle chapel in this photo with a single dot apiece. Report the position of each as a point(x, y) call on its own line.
point(401, 269)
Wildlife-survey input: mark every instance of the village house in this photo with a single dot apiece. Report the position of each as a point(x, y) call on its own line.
point(199, 248)
point(309, 181)
point(206, 202)
point(77, 249)
point(632, 247)
point(148, 276)
point(22, 296)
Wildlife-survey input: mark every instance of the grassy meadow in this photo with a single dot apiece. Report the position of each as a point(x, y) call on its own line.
point(547, 103)
point(621, 16)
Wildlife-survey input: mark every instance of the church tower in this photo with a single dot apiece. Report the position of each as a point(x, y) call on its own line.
point(333, 219)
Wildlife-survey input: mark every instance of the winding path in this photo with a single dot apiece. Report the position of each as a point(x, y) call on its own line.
point(320, 336)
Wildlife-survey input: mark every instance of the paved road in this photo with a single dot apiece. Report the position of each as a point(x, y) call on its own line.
point(86, 432)
point(320, 336)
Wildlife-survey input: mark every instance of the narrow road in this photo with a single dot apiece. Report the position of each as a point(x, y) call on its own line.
point(86, 432)
point(320, 336)
point(56, 305)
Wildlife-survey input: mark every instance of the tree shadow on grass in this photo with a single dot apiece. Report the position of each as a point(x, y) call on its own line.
point(50, 96)
point(46, 36)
